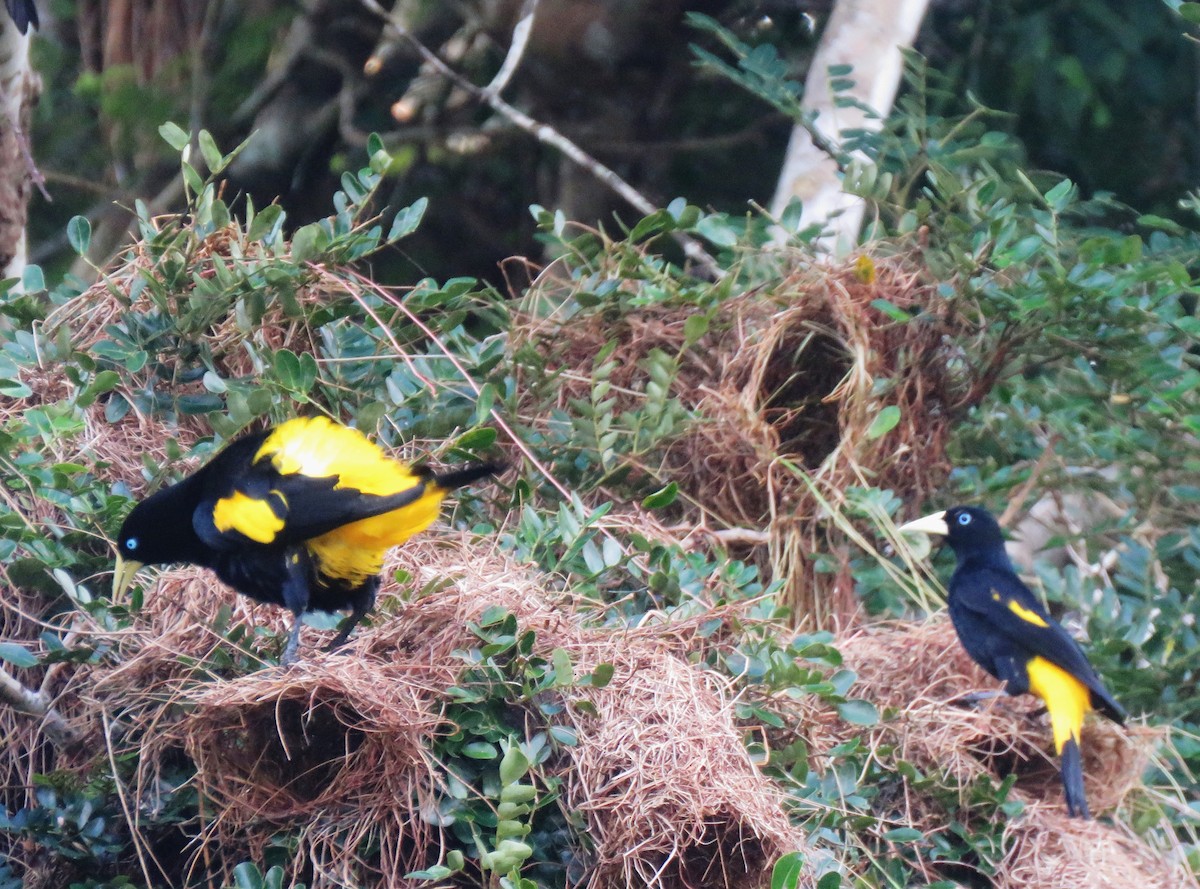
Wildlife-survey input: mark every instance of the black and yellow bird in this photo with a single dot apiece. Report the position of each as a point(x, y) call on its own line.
point(1005, 630)
point(299, 515)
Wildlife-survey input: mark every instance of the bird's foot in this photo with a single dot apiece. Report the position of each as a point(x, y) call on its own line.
point(975, 698)
point(292, 647)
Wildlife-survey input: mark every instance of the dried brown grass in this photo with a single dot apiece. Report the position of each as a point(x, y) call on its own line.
point(338, 747)
point(790, 378)
point(920, 672)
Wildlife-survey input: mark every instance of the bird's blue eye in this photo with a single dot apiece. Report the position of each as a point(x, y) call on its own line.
point(964, 518)
point(131, 544)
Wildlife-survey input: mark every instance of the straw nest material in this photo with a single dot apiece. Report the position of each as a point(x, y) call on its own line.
point(920, 672)
point(338, 747)
point(799, 374)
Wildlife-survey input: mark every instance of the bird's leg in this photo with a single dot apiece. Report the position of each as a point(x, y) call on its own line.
point(361, 605)
point(976, 698)
point(295, 597)
point(293, 643)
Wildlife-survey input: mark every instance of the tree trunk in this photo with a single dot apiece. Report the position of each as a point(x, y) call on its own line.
point(19, 88)
point(867, 34)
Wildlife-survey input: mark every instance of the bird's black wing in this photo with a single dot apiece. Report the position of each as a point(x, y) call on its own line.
point(1008, 608)
point(251, 503)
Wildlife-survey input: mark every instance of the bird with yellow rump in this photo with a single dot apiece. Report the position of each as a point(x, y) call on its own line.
point(1005, 630)
point(299, 515)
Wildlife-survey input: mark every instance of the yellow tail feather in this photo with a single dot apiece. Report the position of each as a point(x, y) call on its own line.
point(1066, 698)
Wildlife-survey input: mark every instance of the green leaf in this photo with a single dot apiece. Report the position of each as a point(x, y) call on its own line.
point(17, 655)
point(14, 389)
point(904, 835)
point(831, 880)
point(858, 712)
point(264, 222)
point(435, 872)
point(1190, 12)
point(601, 676)
point(694, 327)
point(174, 135)
point(32, 279)
point(487, 398)
point(717, 230)
point(655, 223)
point(1058, 196)
point(199, 404)
point(564, 670)
point(79, 234)
point(793, 215)
point(287, 369)
point(892, 311)
point(210, 152)
point(479, 750)
point(309, 242)
point(247, 875)
point(1161, 223)
point(513, 765)
point(478, 439)
point(787, 871)
point(565, 735)
point(274, 878)
point(408, 219)
point(662, 497)
point(885, 421)
point(194, 180)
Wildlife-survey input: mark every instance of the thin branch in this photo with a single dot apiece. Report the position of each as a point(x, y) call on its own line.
point(547, 135)
point(516, 49)
point(31, 167)
point(32, 703)
point(1018, 499)
point(127, 810)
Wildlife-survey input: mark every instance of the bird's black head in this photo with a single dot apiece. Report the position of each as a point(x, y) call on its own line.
point(971, 529)
point(968, 530)
point(158, 531)
point(151, 533)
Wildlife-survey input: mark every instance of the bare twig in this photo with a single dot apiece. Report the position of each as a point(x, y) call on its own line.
point(739, 536)
point(25, 700)
point(516, 49)
point(1018, 499)
point(131, 820)
point(547, 135)
point(31, 167)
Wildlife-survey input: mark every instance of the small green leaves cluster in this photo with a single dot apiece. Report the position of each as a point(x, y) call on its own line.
point(248, 876)
point(501, 792)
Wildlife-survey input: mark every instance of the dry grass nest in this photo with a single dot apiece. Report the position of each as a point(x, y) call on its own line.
point(921, 672)
point(234, 341)
point(798, 374)
point(339, 746)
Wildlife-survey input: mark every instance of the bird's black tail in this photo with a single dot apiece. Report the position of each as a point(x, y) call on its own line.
point(456, 478)
point(1072, 778)
point(23, 13)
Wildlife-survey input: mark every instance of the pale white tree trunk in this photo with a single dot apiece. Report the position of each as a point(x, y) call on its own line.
point(868, 35)
point(18, 90)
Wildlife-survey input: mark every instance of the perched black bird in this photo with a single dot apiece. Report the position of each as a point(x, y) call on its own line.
point(299, 515)
point(23, 14)
point(1006, 631)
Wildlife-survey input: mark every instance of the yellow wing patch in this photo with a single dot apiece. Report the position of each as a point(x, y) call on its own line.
point(1066, 698)
point(319, 448)
point(1030, 617)
point(355, 552)
point(248, 515)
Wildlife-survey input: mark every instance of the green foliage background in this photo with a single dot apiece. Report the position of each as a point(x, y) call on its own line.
point(1092, 303)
